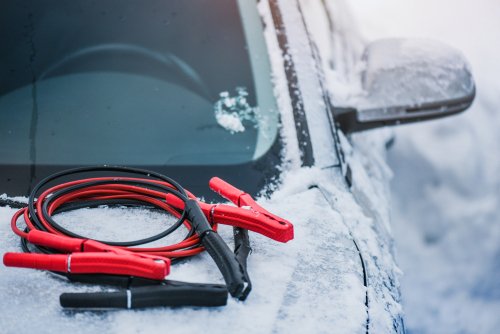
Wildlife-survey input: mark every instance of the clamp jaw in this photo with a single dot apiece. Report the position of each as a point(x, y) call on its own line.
point(248, 214)
point(147, 294)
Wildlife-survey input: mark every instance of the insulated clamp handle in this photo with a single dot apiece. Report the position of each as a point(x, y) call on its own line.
point(119, 264)
point(276, 229)
point(255, 218)
point(226, 190)
point(226, 261)
point(217, 248)
point(70, 245)
point(37, 261)
point(65, 244)
point(171, 294)
point(86, 263)
point(241, 251)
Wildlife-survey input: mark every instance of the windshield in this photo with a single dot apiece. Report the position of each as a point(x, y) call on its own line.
point(149, 83)
point(179, 87)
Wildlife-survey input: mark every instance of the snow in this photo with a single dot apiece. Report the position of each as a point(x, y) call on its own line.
point(445, 188)
point(410, 72)
point(230, 122)
point(20, 199)
point(231, 111)
point(106, 222)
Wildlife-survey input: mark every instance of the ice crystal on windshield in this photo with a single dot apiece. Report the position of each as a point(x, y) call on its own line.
point(230, 112)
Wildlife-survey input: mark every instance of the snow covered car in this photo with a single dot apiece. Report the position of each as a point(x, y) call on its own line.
point(271, 96)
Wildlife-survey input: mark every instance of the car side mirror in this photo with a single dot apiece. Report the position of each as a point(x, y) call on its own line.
point(408, 80)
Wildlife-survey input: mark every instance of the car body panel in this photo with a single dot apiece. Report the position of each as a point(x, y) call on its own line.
point(365, 203)
point(312, 93)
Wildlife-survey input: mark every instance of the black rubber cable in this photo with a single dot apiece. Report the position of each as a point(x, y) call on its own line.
point(31, 199)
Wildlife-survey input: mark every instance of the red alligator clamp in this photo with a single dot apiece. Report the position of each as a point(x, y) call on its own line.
point(248, 215)
point(87, 256)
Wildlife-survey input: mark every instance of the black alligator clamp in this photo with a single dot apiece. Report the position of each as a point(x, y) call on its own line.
point(233, 271)
point(144, 293)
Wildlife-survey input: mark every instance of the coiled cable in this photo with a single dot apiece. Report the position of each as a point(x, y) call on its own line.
point(94, 192)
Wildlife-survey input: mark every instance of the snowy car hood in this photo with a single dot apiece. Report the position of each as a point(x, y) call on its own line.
point(314, 282)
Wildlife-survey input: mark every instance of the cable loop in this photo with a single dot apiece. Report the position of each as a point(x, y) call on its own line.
point(94, 192)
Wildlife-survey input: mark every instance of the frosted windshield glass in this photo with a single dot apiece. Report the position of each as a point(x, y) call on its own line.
point(131, 83)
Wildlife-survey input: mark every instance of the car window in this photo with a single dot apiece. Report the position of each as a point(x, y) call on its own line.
point(133, 82)
point(180, 87)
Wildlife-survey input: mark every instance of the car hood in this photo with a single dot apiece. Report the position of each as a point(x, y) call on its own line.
point(314, 282)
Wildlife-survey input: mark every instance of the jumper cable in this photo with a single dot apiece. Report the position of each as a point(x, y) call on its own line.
point(91, 260)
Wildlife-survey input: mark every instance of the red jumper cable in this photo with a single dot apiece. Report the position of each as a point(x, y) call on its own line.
point(83, 256)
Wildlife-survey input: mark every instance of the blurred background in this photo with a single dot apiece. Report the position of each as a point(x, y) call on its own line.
point(446, 188)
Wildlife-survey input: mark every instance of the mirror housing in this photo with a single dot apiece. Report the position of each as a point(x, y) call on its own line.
point(408, 80)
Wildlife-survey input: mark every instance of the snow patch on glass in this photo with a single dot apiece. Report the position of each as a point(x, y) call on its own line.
point(230, 112)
